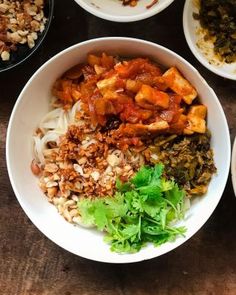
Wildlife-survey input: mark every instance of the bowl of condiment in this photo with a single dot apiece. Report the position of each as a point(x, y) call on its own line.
point(24, 25)
point(210, 31)
point(119, 152)
point(124, 10)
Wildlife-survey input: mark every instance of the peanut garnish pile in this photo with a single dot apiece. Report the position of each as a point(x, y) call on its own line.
point(20, 23)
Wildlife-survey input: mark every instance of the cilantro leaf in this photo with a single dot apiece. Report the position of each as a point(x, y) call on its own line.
point(157, 172)
point(143, 176)
point(141, 211)
point(175, 195)
point(123, 187)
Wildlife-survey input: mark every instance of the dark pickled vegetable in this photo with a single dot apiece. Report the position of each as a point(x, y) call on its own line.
point(218, 17)
point(187, 159)
point(113, 122)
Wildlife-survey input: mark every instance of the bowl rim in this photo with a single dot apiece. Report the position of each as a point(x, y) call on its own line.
point(197, 53)
point(123, 18)
point(233, 166)
point(40, 41)
point(21, 199)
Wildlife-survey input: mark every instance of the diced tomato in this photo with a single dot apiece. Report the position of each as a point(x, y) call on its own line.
point(159, 83)
point(174, 106)
point(178, 127)
point(107, 61)
point(133, 114)
point(101, 120)
point(129, 69)
point(121, 102)
point(104, 107)
point(88, 72)
point(153, 69)
point(93, 60)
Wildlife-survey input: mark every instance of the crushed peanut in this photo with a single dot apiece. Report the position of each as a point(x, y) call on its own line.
point(20, 23)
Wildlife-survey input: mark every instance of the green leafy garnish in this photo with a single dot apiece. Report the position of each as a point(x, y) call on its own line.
point(142, 210)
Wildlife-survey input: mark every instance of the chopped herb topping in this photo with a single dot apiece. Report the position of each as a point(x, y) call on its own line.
point(142, 210)
point(218, 17)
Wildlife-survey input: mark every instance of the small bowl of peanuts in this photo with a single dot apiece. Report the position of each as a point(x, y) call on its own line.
point(23, 26)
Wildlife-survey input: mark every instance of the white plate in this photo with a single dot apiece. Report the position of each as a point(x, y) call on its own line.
point(113, 10)
point(33, 103)
point(205, 55)
point(233, 166)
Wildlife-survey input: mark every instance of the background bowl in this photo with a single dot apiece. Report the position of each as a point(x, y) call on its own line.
point(23, 51)
point(33, 103)
point(205, 55)
point(233, 166)
point(113, 10)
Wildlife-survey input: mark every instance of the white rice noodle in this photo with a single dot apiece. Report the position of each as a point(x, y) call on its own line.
point(40, 144)
point(38, 151)
point(54, 124)
point(88, 143)
point(62, 123)
point(137, 159)
point(108, 170)
point(50, 120)
point(118, 153)
point(72, 113)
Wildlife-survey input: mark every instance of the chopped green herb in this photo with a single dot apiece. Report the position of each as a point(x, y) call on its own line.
point(218, 17)
point(142, 210)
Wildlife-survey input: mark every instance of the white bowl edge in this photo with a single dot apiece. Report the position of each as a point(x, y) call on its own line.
point(233, 166)
point(115, 257)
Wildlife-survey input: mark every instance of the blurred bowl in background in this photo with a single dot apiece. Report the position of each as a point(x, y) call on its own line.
point(113, 10)
point(201, 48)
point(23, 51)
point(233, 166)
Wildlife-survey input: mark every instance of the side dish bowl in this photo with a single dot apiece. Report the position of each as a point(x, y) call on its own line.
point(23, 51)
point(33, 103)
point(202, 49)
point(113, 10)
point(233, 166)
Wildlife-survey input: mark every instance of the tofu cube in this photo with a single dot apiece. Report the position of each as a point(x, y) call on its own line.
point(176, 82)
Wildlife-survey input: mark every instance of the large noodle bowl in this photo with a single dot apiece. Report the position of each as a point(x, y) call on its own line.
point(109, 118)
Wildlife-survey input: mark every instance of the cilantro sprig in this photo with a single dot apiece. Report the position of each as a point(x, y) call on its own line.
point(142, 210)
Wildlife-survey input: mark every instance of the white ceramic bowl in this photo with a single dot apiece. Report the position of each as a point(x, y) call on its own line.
point(113, 10)
point(204, 52)
point(233, 166)
point(33, 103)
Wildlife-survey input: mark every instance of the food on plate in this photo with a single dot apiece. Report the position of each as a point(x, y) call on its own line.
point(134, 3)
point(20, 23)
point(124, 148)
point(218, 19)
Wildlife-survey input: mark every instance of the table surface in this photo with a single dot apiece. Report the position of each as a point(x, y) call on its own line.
point(30, 264)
